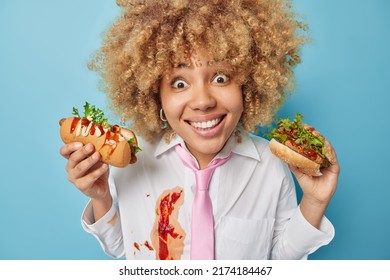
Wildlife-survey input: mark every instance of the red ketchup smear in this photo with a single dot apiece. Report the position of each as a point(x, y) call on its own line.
point(94, 127)
point(75, 121)
point(111, 140)
point(147, 245)
point(164, 227)
point(84, 123)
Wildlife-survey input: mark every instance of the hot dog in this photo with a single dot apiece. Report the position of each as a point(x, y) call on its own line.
point(300, 145)
point(117, 146)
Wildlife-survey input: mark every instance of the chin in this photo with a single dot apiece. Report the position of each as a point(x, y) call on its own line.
point(207, 147)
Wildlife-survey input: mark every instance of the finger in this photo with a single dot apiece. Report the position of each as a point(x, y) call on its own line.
point(297, 173)
point(332, 156)
point(85, 183)
point(303, 179)
point(330, 152)
point(84, 166)
point(333, 170)
point(81, 154)
point(70, 148)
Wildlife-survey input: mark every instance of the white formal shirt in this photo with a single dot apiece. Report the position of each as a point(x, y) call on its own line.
point(256, 215)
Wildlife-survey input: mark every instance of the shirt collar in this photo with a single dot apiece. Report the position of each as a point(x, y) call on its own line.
point(163, 146)
point(245, 148)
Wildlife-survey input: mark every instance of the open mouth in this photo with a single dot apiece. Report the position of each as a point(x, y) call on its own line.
point(206, 125)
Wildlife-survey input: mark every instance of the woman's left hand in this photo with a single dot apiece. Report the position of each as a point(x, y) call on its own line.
point(317, 191)
point(319, 188)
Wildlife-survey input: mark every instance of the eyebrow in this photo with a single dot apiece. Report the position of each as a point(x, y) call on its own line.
point(197, 63)
point(183, 65)
point(186, 65)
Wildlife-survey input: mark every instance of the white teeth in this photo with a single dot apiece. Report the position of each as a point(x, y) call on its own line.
point(204, 125)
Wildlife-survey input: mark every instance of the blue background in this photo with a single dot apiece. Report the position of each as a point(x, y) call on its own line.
point(342, 89)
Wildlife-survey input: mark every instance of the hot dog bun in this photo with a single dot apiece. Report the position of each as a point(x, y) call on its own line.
point(116, 145)
point(301, 145)
point(286, 154)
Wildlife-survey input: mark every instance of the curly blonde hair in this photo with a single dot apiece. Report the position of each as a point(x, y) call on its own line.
point(260, 39)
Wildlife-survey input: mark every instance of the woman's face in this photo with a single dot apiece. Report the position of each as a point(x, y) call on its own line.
point(203, 105)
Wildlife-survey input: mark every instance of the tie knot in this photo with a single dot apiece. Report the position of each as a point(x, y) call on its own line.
point(203, 176)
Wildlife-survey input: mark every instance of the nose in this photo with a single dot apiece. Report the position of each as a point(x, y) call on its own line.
point(202, 98)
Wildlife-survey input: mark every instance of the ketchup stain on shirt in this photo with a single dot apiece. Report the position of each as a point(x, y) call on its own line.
point(136, 245)
point(167, 234)
point(165, 228)
point(139, 247)
point(147, 245)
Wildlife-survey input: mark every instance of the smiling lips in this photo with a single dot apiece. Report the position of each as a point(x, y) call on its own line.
point(206, 124)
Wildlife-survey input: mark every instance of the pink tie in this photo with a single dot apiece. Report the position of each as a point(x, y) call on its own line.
point(202, 225)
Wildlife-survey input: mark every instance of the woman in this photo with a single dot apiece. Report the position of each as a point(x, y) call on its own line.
point(194, 79)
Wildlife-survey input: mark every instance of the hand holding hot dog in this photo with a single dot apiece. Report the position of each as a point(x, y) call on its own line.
point(313, 161)
point(91, 144)
point(85, 169)
point(89, 174)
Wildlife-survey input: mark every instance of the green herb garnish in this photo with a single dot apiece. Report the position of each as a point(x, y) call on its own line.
point(295, 131)
point(132, 143)
point(93, 114)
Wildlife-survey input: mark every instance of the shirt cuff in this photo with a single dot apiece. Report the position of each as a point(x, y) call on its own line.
point(107, 221)
point(305, 238)
point(107, 230)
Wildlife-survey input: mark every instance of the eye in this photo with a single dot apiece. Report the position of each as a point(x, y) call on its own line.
point(220, 78)
point(179, 83)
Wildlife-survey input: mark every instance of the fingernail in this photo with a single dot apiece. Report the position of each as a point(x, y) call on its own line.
point(95, 155)
point(88, 147)
point(77, 145)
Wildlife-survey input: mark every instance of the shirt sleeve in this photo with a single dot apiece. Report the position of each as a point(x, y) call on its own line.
point(303, 238)
point(295, 238)
point(300, 238)
point(107, 230)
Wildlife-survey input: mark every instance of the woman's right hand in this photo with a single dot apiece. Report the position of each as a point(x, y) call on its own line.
point(86, 171)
